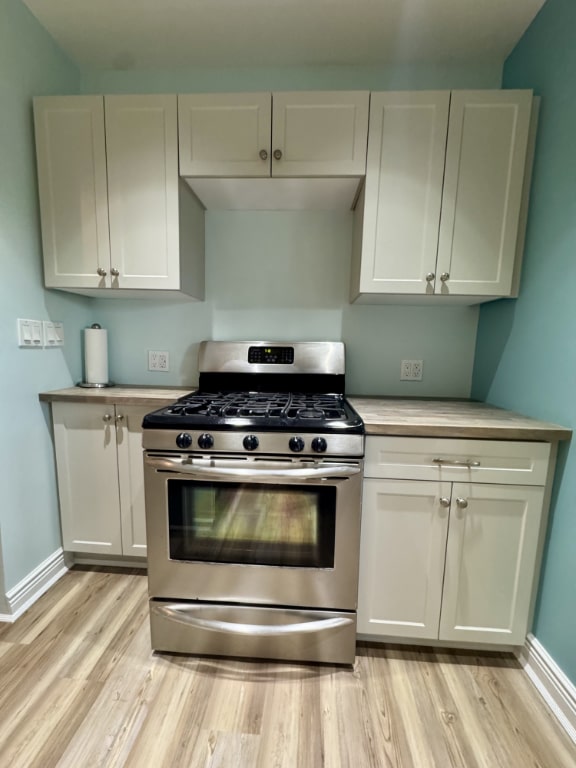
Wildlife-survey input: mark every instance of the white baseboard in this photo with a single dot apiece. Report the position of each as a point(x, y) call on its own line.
point(38, 581)
point(555, 688)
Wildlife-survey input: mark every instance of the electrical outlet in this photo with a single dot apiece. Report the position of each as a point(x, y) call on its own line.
point(158, 361)
point(411, 370)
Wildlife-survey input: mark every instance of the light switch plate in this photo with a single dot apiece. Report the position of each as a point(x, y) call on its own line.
point(30, 333)
point(53, 333)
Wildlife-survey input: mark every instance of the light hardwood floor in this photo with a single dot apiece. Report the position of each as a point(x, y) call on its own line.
point(80, 687)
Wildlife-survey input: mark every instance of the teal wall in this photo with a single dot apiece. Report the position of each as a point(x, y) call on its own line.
point(373, 78)
point(286, 275)
point(30, 64)
point(525, 356)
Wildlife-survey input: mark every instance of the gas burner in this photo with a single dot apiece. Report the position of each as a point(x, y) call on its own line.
point(267, 410)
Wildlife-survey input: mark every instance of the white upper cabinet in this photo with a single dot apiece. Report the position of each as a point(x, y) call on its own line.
point(483, 188)
point(142, 163)
point(403, 194)
point(445, 195)
point(111, 200)
point(319, 134)
point(73, 187)
point(225, 134)
point(292, 134)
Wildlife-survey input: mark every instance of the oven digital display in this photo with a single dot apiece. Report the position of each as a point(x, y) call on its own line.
point(252, 524)
point(271, 355)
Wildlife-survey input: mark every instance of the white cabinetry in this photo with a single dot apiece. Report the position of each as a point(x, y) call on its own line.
point(292, 134)
point(100, 477)
point(116, 219)
point(451, 536)
point(445, 195)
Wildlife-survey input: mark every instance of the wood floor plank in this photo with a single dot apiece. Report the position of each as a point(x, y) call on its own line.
point(38, 733)
point(81, 688)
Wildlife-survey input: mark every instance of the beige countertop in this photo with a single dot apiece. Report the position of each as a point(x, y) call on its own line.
point(382, 415)
point(125, 395)
point(451, 418)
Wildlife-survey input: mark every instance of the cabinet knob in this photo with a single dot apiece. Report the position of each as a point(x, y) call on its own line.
point(119, 418)
point(444, 501)
point(430, 276)
point(462, 503)
point(277, 154)
point(445, 276)
point(106, 418)
point(101, 272)
point(263, 154)
point(114, 272)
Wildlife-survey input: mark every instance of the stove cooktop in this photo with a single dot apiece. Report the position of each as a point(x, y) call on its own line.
point(265, 411)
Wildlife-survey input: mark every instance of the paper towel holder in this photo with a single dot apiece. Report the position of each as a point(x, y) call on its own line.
point(89, 385)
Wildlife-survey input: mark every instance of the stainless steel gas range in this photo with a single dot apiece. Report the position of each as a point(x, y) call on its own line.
point(253, 491)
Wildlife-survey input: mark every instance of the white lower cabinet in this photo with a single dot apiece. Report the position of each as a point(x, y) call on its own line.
point(451, 560)
point(100, 477)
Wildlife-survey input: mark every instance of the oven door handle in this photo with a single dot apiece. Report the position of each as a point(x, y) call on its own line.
point(185, 615)
point(212, 471)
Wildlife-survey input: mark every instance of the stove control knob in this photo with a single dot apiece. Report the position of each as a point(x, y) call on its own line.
point(296, 444)
point(250, 442)
point(205, 441)
point(319, 445)
point(184, 440)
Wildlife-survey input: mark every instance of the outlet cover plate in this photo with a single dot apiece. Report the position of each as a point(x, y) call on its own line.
point(158, 361)
point(411, 370)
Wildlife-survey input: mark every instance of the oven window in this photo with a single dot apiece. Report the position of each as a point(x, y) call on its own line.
point(256, 524)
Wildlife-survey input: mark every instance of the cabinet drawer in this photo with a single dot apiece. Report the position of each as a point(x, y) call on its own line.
point(442, 459)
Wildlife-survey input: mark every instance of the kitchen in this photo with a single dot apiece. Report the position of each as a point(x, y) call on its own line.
point(310, 297)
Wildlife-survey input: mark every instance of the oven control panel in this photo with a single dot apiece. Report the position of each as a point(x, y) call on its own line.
point(277, 443)
point(271, 355)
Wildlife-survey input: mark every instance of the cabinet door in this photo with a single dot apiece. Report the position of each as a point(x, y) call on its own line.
point(405, 168)
point(85, 441)
point(131, 474)
point(483, 186)
point(142, 156)
point(319, 133)
point(225, 134)
point(403, 541)
point(490, 562)
point(72, 184)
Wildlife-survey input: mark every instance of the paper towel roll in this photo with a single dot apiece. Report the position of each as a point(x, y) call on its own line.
point(96, 355)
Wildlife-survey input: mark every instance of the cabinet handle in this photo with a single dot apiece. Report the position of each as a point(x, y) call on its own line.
point(101, 272)
point(106, 418)
point(444, 501)
point(263, 154)
point(462, 503)
point(445, 276)
point(430, 276)
point(277, 154)
point(120, 418)
point(114, 272)
point(457, 462)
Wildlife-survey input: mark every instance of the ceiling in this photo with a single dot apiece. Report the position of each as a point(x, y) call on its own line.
point(179, 34)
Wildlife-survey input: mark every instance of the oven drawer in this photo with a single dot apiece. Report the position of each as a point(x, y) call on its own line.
point(253, 632)
point(454, 460)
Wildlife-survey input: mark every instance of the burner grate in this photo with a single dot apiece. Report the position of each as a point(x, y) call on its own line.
point(260, 405)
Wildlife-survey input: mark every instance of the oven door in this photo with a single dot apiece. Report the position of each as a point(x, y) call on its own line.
point(256, 531)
